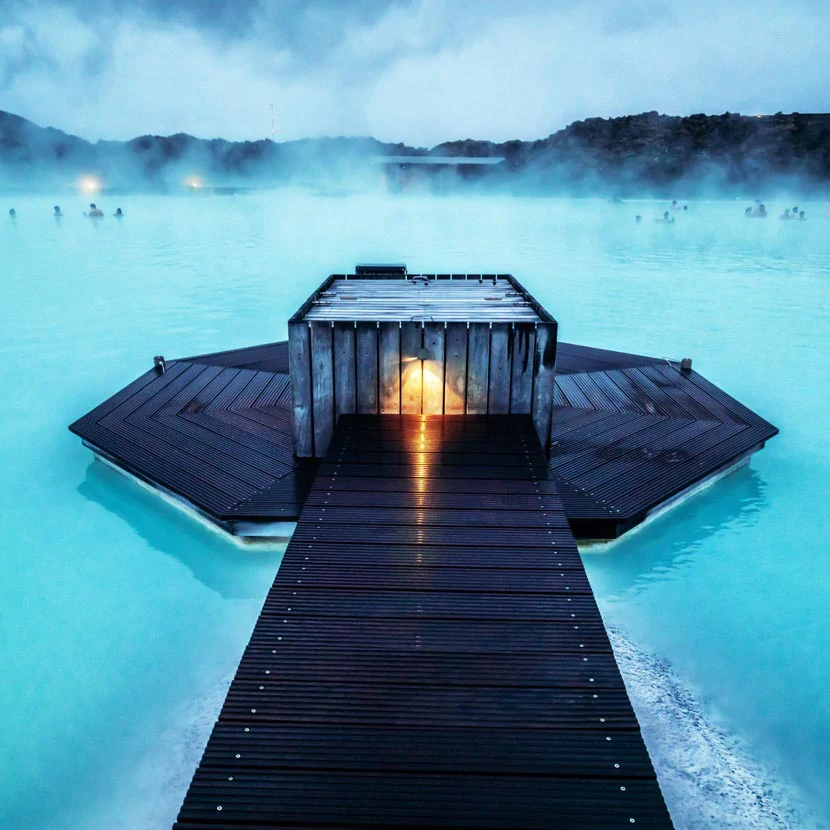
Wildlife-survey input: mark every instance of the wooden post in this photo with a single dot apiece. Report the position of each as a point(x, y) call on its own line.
point(322, 384)
point(344, 369)
point(478, 367)
point(433, 369)
point(498, 399)
point(299, 362)
point(455, 371)
point(411, 380)
point(389, 368)
point(524, 347)
point(367, 368)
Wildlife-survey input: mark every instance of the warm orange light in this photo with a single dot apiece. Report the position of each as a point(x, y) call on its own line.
point(421, 460)
point(411, 385)
point(422, 387)
point(433, 392)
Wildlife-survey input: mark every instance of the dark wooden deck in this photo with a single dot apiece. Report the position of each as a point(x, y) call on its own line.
point(629, 433)
point(218, 436)
point(430, 654)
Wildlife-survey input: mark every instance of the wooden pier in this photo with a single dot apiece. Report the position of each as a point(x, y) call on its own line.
point(430, 654)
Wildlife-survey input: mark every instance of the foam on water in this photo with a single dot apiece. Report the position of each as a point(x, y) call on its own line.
point(711, 780)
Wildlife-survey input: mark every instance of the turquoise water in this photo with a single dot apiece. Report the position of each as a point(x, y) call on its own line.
point(121, 621)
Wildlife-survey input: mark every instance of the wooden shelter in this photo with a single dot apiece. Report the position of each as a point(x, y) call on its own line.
point(386, 342)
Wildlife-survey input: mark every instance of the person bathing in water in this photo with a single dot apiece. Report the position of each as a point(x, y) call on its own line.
point(12, 213)
point(94, 212)
point(796, 214)
point(666, 220)
point(118, 214)
point(57, 212)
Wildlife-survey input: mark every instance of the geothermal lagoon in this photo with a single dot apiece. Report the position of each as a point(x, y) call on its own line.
point(123, 620)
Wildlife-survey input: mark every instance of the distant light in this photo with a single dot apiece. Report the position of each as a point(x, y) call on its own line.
point(89, 184)
point(193, 181)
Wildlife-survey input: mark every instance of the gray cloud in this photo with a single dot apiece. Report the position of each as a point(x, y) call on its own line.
point(415, 70)
point(299, 26)
point(21, 53)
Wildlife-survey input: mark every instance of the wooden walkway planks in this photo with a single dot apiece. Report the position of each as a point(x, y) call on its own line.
point(630, 433)
point(217, 436)
point(415, 666)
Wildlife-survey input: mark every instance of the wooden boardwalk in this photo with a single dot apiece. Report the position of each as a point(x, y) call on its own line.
point(430, 654)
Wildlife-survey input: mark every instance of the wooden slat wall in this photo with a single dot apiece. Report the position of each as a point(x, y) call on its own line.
point(455, 370)
point(433, 370)
point(521, 387)
point(366, 368)
point(498, 399)
point(410, 369)
point(322, 384)
point(478, 367)
point(344, 369)
point(299, 361)
point(389, 363)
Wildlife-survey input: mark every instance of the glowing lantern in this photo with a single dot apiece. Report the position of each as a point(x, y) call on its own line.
point(89, 184)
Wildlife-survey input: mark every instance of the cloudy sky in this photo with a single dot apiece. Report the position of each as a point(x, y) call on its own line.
point(420, 71)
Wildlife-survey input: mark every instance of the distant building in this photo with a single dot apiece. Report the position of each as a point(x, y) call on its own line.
point(434, 172)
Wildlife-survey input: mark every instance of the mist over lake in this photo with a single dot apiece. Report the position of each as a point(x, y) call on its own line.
point(638, 176)
point(148, 614)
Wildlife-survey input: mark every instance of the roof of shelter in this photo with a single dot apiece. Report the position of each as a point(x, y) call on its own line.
point(470, 298)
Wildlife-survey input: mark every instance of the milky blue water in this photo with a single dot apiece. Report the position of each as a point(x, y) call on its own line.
point(121, 621)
